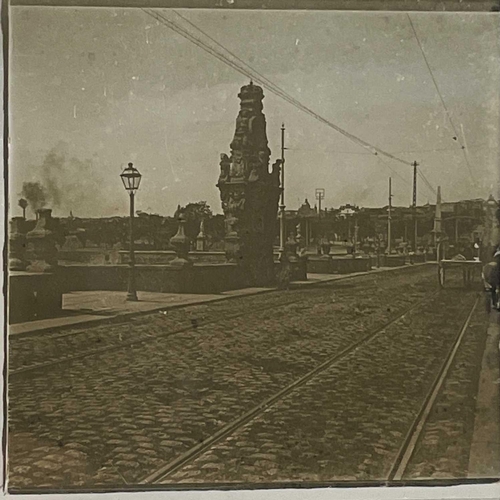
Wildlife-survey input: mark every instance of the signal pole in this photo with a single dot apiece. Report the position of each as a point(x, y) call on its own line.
point(415, 165)
point(389, 218)
point(320, 195)
point(282, 201)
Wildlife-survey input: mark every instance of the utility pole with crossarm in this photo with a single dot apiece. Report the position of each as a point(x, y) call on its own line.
point(415, 165)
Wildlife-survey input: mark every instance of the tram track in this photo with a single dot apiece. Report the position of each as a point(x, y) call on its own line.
point(192, 454)
point(142, 340)
point(404, 455)
point(219, 317)
point(278, 395)
point(407, 450)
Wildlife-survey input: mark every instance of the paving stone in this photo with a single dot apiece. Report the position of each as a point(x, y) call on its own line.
point(163, 391)
point(351, 381)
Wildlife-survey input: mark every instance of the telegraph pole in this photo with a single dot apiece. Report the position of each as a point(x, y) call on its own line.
point(389, 218)
point(320, 195)
point(282, 201)
point(356, 228)
point(415, 165)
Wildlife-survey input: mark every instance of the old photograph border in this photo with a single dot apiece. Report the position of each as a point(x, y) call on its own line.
point(469, 488)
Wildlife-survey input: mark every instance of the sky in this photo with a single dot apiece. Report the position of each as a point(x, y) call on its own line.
point(92, 89)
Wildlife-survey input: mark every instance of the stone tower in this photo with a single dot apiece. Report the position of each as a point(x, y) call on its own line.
point(249, 192)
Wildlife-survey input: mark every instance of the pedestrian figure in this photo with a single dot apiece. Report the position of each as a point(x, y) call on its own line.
point(411, 255)
point(491, 277)
point(284, 274)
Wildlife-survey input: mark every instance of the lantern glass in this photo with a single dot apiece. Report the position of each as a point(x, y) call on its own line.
point(131, 178)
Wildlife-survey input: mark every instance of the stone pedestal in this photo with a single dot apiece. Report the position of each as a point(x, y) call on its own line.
point(41, 245)
point(17, 244)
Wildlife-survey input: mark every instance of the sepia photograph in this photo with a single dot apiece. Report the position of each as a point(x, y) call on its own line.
point(252, 249)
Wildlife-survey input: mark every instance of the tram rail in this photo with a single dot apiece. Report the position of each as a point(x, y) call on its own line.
point(404, 456)
point(190, 455)
point(147, 337)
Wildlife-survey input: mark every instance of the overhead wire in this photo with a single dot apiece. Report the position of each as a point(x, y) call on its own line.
point(426, 181)
point(442, 149)
point(395, 172)
point(254, 75)
point(242, 67)
point(445, 107)
point(326, 151)
point(393, 152)
point(386, 165)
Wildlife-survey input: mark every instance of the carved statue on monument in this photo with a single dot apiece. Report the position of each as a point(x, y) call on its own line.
point(275, 174)
point(225, 165)
point(237, 171)
point(230, 224)
point(236, 202)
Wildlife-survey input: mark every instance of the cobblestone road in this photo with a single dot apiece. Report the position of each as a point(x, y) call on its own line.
point(449, 429)
point(349, 423)
point(115, 417)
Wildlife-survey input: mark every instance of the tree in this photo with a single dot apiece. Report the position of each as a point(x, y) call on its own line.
point(23, 204)
point(194, 213)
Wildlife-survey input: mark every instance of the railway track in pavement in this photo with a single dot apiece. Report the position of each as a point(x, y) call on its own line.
point(74, 344)
point(400, 460)
point(405, 454)
point(207, 397)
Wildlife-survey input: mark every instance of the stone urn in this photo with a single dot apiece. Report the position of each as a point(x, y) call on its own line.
point(201, 239)
point(17, 244)
point(41, 244)
point(181, 244)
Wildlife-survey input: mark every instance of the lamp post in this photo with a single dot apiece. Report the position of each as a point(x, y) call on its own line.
point(131, 179)
point(356, 228)
point(282, 196)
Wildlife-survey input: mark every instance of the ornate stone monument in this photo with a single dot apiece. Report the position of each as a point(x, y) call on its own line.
point(249, 192)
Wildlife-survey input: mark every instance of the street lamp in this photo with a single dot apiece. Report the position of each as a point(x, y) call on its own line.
point(320, 196)
point(131, 179)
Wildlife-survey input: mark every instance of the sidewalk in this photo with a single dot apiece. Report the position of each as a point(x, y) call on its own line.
point(91, 308)
point(484, 458)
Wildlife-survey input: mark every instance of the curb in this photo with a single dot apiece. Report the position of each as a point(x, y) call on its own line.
point(122, 317)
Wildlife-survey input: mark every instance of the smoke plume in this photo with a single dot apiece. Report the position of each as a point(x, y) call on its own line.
point(35, 194)
point(64, 182)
